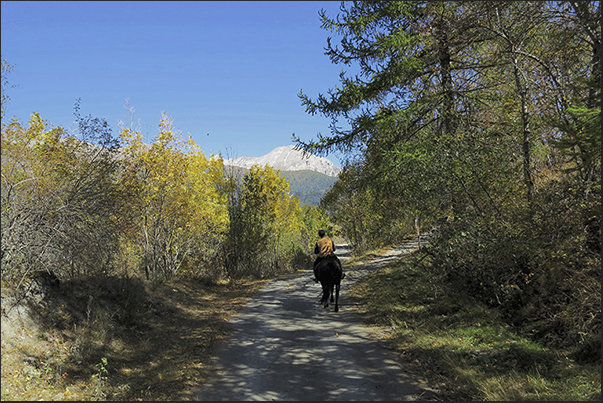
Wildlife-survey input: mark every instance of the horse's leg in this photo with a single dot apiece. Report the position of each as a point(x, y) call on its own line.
point(322, 297)
point(332, 292)
point(337, 297)
point(325, 295)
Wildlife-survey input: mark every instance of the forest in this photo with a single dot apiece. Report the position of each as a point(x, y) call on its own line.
point(479, 120)
point(482, 120)
point(98, 204)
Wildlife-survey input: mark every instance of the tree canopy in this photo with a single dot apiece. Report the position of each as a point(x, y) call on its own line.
point(480, 119)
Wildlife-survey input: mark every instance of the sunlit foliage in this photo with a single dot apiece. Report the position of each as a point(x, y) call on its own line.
point(481, 119)
point(180, 206)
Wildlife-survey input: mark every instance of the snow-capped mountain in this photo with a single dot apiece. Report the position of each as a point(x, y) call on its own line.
point(287, 158)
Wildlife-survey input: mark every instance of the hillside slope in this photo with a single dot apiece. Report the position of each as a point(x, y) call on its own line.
point(309, 186)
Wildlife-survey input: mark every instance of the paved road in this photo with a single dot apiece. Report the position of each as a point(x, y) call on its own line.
point(287, 347)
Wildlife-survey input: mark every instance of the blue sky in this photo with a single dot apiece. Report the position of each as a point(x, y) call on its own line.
point(228, 68)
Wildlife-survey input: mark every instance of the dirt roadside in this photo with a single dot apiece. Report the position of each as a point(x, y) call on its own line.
point(77, 342)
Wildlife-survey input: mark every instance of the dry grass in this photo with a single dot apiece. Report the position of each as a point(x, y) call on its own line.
point(148, 343)
point(462, 348)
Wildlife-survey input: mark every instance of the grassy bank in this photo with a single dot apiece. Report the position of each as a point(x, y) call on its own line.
point(465, 351)
point(115, 339)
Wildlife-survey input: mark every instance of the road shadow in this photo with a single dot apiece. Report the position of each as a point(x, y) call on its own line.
point(287, 347)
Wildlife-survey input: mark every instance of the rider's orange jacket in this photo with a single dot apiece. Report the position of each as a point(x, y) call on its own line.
point(324, 247)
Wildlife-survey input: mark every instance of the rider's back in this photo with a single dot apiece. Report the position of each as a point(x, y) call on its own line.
point(325, 247)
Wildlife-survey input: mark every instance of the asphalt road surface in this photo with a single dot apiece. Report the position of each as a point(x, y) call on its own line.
point(288, 347)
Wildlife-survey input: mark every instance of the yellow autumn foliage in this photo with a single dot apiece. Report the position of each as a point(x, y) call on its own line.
point(180, 204)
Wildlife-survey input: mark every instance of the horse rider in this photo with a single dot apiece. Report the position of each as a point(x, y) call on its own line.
point(324, 248)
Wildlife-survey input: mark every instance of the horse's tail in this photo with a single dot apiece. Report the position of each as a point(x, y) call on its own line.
point(335, 270)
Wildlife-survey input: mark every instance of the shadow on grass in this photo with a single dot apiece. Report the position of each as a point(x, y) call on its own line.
point(465, 349)
point(156, 338)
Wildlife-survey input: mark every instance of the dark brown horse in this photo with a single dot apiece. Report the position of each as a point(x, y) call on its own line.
point(329, 274)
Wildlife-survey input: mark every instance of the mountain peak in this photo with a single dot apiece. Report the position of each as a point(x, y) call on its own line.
point(288, 158)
